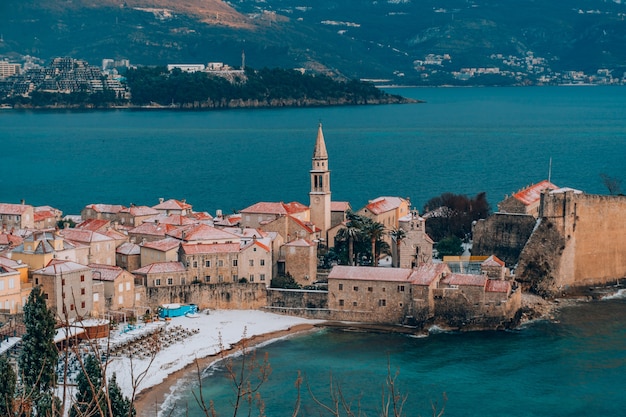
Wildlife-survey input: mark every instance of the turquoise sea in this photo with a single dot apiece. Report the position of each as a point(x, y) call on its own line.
point(461, 140)
point(573, 366)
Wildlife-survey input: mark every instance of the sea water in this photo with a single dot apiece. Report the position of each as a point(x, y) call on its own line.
point(574, 365)
point(465, 141)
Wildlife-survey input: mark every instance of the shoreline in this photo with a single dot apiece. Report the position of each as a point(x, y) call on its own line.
point(148, 402)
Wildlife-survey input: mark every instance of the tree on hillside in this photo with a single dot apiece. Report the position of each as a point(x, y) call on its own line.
point(7, 387)
point(453, 214)
point(38, 359)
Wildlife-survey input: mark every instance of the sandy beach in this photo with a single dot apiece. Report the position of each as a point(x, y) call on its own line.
point(205, 339)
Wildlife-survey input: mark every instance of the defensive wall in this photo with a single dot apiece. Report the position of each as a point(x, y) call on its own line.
point(503, 235)
point(312, 304)
point(578, 242)
point(213, 296)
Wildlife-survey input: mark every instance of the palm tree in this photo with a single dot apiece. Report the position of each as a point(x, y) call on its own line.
point(375, 231)
point(397, 235)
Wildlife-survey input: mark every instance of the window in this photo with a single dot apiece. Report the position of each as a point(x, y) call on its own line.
point(96, 297)
point(400, 288)
point(128, 286)
point(120, 299)
point(354, 304)
point(262, 262)
point(207, 264)
point(220, 278)
point(82, 304)
point(82, 291)
point(170, 281)
point(120, 287)
point(71, 307)
point(195, 264)
point(355, 288)
point(251, 262)
point(251, 277)
point(234, 262)
point(340, 287)
point(82, 278)
point(45, 296)
point(382, 303)
point(207, 278)
point(341, 303)
point(220, 263)
point(383, 289)
point(157, 282)
point(62, 281)
point(370, 289)
point(262, 277)
point(235, 277)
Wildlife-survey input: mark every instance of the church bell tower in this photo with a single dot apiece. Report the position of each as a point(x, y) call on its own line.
point(320, 186)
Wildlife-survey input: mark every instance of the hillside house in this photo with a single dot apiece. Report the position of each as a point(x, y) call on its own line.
point(118, 284)
point(527, 200)
point(16, 216)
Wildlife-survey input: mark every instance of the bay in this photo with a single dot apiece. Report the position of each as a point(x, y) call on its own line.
point(574, 366)
point(496, 140)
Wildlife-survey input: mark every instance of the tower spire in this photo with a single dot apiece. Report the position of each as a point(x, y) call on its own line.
point(320, 185)
point(320, 146)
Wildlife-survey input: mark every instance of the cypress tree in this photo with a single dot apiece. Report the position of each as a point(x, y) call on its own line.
point(120, 406)
point(38, 359)
point(89, 399)
point(7, 387)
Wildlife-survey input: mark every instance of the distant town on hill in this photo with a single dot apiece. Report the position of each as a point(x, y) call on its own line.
point(450, 42)
point(72, 83)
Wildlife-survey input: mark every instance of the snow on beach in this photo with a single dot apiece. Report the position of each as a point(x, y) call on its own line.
point(207, 335)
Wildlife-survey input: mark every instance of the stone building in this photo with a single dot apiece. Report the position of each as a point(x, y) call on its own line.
point(164, 250)
point(416, 248)
point(173, 206)
point(101, 247)
point(46, 217)
point(67, 287)
point(386, 210)
point(135, 215)
point(101, 211)
point(526, 201)
point(10, 289)
point(298, 258)
point(16, 216)
point(262, 213)
point(319, 196)
point(161, 274)
point(256, 259)
point(118, 285)
point(41, 247)
point(211, 262)
point(128, 256)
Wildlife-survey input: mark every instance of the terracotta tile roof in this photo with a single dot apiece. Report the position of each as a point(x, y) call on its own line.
point(466, 280)
point(384, 204)
point(139, 211)
point(172, 204)
point(281, 208)
point(247, 232)
point(6, 208)
point(47, 208)
point(152, 229)
point(532, 194)
point(105, 272)
point(339, 206)
point(7, 270)
point(202, 232)
point(300, 242)
point(129, 248)
point(10, 263)
point(56, 267)
point(173, 219)
point(494, 285)
point(493, 260)
point(116, 234)
point(161, 268)
point(7, 239)
point(201, 215)
point(83, 236)
point(201, 248)
point(426, 274)
point(163, 245)
point(93, 224)
point(308, 227)
point(44, 214)
point(255, 243)
point(369, 273)
point(106, 208)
